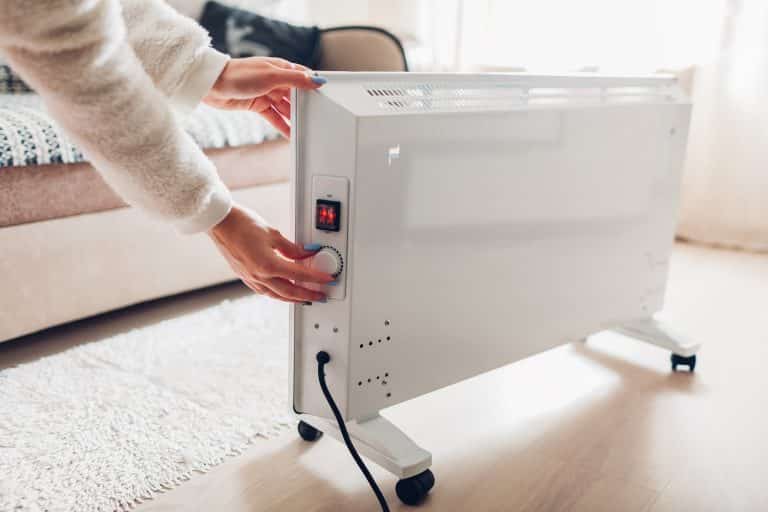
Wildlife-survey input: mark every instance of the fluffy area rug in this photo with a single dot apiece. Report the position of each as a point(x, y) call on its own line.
point(106, 425)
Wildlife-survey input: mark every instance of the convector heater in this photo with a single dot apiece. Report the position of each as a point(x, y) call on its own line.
point(473, 220)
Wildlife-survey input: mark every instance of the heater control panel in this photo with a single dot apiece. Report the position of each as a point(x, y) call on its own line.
point(330, 213)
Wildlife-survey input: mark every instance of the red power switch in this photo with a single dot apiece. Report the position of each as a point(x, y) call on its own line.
point(328, 215)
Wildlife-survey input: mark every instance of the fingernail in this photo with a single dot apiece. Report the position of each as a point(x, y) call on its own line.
point(312, 247)
point(319, 80)
point(332, 283)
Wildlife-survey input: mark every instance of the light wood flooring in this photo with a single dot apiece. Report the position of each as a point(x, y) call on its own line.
point(601, 426)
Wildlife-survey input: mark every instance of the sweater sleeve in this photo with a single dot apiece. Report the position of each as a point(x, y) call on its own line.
point(174, 50)
point(76, 55)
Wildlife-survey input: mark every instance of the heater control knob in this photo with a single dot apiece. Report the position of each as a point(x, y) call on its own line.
point(328, 260)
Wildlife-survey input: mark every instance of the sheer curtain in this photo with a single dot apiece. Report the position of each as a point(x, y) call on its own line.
point(563, 35)
point(723, 42)
point(725, 200)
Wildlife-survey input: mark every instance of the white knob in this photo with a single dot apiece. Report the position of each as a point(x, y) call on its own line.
point(328, 260)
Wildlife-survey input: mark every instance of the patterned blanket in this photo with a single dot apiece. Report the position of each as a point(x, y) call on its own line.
point(28, 136)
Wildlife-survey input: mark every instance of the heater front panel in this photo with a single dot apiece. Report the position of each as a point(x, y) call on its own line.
point(477, 232)
point(479, 239)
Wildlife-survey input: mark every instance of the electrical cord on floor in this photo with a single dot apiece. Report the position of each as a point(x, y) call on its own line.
point(322, 359)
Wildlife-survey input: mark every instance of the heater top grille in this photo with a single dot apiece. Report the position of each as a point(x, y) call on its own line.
point(376, 94)
point(454, 97)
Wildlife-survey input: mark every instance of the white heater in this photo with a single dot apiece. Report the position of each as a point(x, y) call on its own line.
point(472, 221)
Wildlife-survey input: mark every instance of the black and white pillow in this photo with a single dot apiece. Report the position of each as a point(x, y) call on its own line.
point(10, 82)
point(241, 33)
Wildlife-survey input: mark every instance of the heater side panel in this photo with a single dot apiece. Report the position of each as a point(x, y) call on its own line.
point(323, 142)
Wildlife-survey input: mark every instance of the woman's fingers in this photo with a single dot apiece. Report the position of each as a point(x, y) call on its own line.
point(291, 291)
point(298, 272)
point(280, 77)
point(256, 288)
point(275, 119)
point(288, 248)
point(263, 290)
point(285, 64)
point(281, 94)
point(283, 108)
point(259, 104)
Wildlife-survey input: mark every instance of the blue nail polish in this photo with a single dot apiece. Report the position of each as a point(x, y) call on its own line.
point(332, 283)
point(319, 80)
point(312, 247)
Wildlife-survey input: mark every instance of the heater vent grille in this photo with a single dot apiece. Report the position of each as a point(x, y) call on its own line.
point(469, 97)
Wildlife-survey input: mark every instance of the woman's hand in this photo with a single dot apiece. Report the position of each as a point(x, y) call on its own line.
point(263, 85)
point(261, 257)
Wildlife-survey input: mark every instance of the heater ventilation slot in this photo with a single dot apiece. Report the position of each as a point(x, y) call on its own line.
point(469, 97)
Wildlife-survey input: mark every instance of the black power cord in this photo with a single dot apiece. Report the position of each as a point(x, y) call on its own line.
point(322, 359)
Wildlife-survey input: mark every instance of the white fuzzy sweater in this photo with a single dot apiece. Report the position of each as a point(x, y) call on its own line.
point(109, 72)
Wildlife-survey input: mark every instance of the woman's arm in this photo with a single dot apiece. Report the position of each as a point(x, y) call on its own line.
point(174, 50)
point(76, 56)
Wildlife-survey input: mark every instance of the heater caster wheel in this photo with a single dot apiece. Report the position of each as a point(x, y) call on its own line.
point(308, 432)
point(412, 491)
point(678, 360)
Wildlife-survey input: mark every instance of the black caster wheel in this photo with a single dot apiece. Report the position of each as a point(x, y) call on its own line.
point(678, 360)
point(308, 432)
point(412, 491)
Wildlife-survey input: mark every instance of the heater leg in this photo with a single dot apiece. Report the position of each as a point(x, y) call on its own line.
point(657, 333)
point(380, 441)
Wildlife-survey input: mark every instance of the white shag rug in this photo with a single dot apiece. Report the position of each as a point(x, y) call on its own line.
point(105, 425)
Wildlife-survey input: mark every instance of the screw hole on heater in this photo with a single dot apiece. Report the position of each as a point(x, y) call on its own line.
point(389, 395)
point(335, 329)
point(377, 377)
point(317, 326)
point(386, 323)
point(361, 345)
point(369, 380)
point(360, 383)
point(386, 374)
point(389, 338)
point(370, 343)
point(379, 340)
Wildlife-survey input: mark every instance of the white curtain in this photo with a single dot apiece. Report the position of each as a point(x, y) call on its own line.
point(725, 200)
point(564, 35)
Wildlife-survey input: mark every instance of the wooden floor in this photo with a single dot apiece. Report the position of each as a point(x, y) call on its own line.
point(602, 426)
